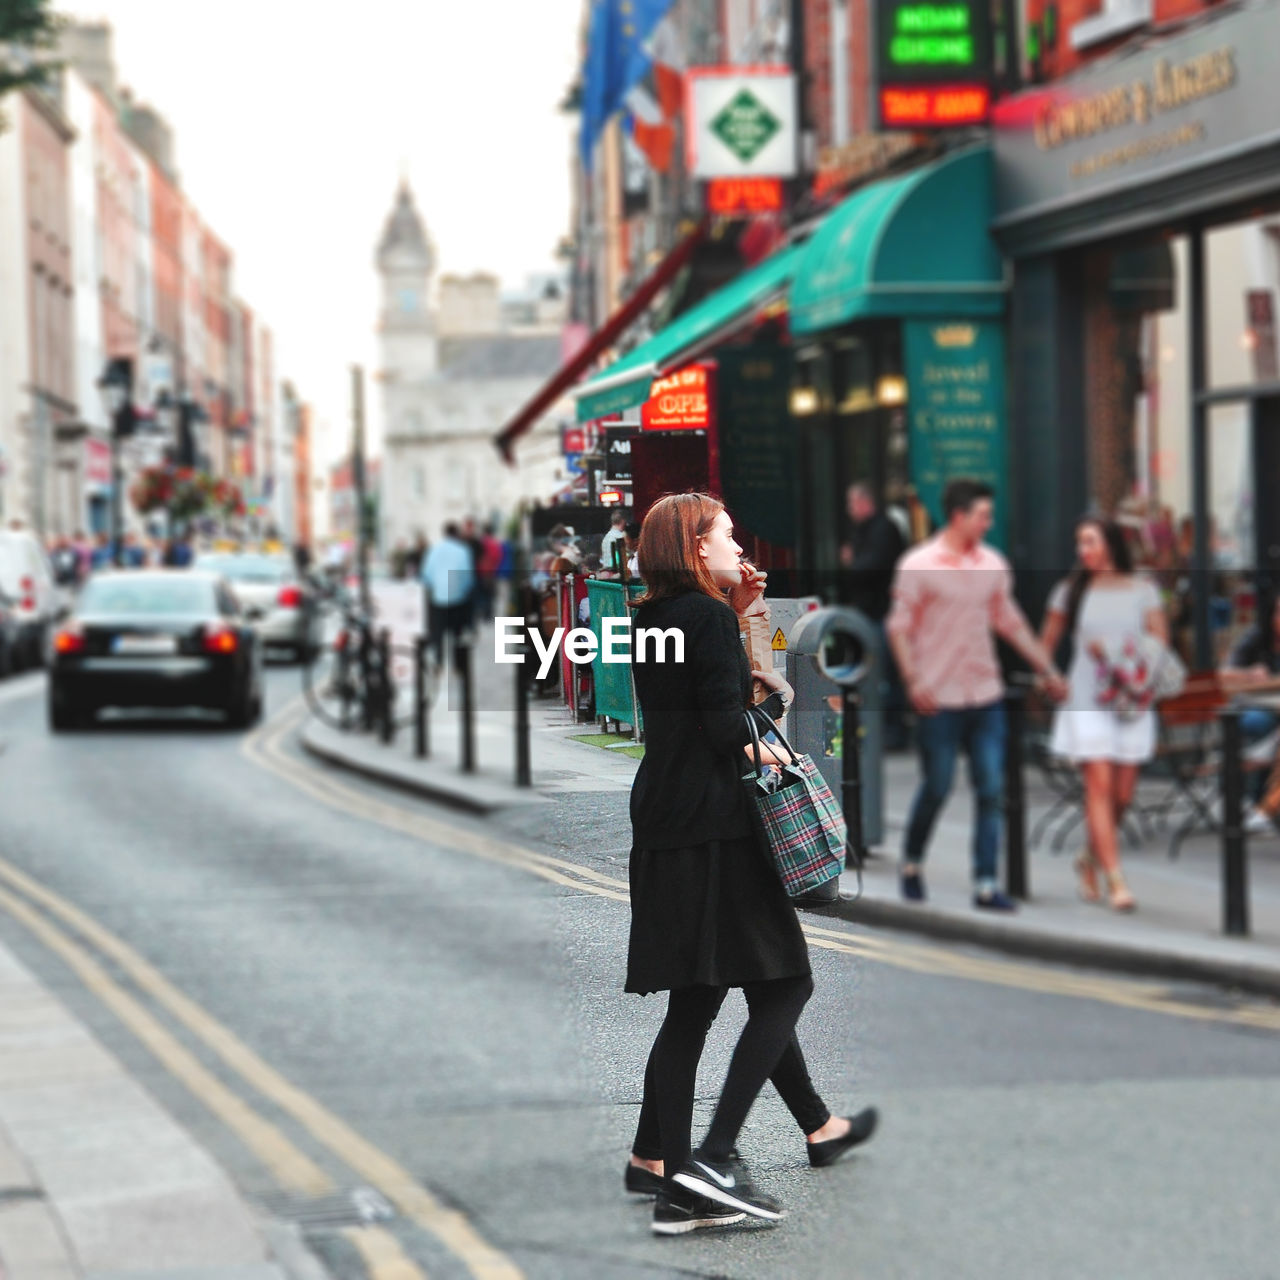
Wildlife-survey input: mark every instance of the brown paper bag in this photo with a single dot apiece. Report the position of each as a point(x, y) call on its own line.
point(757, 635)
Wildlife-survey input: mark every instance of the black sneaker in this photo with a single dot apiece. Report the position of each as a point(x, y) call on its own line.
point(677, 1211)
point(727, 1182)
point(640, 1182)
point(913, 886)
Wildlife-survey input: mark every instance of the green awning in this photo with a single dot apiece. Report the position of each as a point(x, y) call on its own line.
point(917, 245)
point(626, 383)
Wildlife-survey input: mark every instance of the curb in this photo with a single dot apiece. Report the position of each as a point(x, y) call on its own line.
point(471, 793)
point(927, 922)
point(1059, 948)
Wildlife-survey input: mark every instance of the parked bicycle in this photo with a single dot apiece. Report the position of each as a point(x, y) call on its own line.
point(355, 678)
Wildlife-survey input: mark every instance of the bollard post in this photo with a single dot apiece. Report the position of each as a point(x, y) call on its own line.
point(524, 772)
point(343, 661)
point(368, 711)
point(851, 776)
point(420, 742)
point(1235, 887)
point(387, 687)
point(462, 657)
point(1015, 801)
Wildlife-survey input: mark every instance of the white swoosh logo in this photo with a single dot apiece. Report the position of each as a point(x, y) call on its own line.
point(726, 1183)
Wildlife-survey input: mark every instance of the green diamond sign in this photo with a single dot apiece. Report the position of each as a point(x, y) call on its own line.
point(745, 125)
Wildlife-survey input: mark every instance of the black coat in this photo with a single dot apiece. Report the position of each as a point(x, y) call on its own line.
point(707, 906)
point(688, 789)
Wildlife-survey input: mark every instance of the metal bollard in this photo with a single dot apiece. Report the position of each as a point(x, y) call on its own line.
point(851, 776)
point(421, 741)
point(387, 709)
point(524, 772)
point(1235, 885)
point(368, 711)
point(1015, 800)
point(462, 656)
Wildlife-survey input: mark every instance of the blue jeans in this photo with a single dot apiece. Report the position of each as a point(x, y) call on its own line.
point(981, 732)
point(1255, 724)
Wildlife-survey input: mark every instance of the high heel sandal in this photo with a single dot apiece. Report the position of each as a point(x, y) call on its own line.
point(1121, 899)
point(1087, 874)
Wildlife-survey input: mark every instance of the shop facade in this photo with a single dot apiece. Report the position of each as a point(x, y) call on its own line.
point(1139, 205)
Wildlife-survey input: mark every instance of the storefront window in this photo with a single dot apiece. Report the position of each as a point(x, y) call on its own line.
point(1138, 405)
point(1243, 274)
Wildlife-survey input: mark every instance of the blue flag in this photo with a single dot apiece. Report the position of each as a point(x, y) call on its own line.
point(616, 60)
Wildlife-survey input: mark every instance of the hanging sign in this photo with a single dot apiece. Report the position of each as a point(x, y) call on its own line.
point(680, 400)
point(742, 122)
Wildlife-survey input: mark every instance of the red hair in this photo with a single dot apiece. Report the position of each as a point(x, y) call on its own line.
point(668, 556)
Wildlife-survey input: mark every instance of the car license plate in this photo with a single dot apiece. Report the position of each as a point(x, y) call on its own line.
point(142, 646)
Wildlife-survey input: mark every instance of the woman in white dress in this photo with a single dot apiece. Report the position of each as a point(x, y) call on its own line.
point(1103, 606)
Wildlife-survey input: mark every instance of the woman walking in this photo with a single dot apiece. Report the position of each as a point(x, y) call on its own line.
point(1106, 609)
point(708, 912)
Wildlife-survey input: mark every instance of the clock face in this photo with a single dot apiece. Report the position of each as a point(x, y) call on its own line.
point(407, 299)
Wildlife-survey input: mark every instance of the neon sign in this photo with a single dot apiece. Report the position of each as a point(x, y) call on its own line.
point(680, 400)
point(934, 63)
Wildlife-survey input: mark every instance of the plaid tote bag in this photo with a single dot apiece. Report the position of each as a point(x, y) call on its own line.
point(797, 817)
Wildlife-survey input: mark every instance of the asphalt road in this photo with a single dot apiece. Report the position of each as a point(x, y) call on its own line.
point(413, 1006)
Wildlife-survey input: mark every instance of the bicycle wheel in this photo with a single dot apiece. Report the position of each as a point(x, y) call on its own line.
point(333, 682)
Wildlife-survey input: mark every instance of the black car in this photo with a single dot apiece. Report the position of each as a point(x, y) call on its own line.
point(155, 638)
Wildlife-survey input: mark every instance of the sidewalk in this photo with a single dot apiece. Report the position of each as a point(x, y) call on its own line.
point(97, 1182)
point(1175, 933)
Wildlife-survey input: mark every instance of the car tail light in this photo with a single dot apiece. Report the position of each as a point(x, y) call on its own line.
point(28, 588)
point(289, 598)
point(69, 640)
point(221, 640)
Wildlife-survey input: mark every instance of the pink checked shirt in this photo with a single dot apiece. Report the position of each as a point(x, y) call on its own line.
point(947, 606)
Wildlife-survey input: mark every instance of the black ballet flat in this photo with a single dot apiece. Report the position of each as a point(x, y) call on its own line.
point(861, 1127)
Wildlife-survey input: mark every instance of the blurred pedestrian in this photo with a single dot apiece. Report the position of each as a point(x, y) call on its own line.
point(707, 909)
point(949, 594)
point(615, 537)
point(869, 557)
point(1255, 662)
point(65, 563)
point(1103, 607)
point(490, 559)
point(414, 556)
point(448, 577)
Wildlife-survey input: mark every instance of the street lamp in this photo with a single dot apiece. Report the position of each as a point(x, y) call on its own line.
point(116, 385)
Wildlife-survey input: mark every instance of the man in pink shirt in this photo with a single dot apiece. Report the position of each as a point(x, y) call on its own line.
point(949, 595)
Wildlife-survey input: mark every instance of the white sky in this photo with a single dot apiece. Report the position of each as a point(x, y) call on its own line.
point(294, 121)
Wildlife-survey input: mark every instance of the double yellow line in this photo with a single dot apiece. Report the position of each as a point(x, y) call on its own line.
point(75, 936)
point(266, 748)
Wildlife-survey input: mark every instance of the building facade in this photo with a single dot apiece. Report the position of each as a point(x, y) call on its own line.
point(38, 420)
point(455, 363)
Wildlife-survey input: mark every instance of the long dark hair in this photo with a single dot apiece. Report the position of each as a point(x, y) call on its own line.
point(1078, 582)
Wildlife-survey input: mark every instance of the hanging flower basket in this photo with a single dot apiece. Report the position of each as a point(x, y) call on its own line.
point(185, 493)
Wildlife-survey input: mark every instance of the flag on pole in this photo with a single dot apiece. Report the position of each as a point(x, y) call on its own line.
point(616, 59)
point(650, 131)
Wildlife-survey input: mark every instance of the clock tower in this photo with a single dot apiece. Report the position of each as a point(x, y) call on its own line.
point(406, 327)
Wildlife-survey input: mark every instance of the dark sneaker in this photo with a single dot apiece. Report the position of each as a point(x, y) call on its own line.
point(994, 900)
point(727, 1182)
point(913, 886)
point(677, 1211)
point(861, 1127)
point(640, 1182)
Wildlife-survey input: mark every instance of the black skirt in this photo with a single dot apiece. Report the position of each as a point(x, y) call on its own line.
point(712, 914)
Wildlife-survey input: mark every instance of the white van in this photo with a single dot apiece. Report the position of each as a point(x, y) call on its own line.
point(27, 581)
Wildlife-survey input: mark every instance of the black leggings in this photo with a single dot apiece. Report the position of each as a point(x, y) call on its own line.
point(767, 1048)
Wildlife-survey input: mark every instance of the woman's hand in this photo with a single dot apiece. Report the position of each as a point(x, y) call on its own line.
point(747, 598)
point(776, 684)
